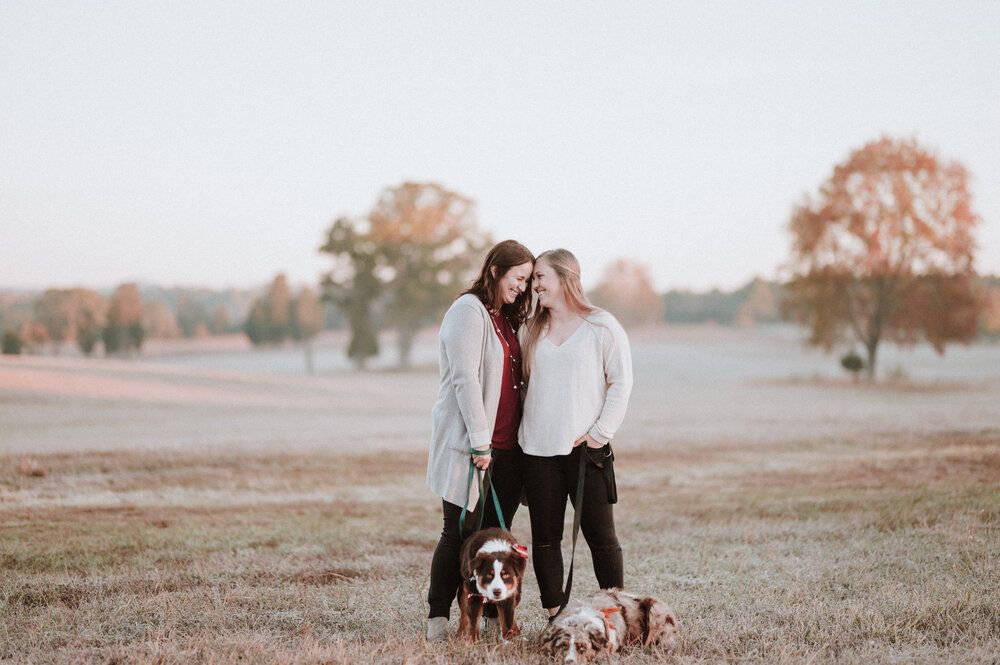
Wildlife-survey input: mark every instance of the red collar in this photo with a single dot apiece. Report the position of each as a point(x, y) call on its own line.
point(475, 598)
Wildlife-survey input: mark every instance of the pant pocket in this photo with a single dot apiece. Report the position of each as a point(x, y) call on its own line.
point(596, 456)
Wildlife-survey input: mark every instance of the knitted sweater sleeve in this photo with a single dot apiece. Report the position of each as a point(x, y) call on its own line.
point(617, 359)
point(463, 333)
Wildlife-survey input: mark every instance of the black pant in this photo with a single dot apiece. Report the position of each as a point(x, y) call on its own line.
point(445, 575)
point(548, 482)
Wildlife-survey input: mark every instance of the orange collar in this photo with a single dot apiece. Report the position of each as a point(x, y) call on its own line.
point(605, 613)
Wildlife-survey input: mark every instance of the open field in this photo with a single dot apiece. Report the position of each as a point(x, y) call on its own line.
point(175, 512)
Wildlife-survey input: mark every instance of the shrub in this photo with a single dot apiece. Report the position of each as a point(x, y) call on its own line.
point(11, 343)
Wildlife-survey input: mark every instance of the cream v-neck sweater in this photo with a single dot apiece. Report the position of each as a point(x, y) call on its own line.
point(582, 385)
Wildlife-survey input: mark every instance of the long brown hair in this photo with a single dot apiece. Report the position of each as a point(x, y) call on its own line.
point(567, 268)
point(504, 256)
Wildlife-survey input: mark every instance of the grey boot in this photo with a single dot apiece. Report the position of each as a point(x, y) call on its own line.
point(437, 629)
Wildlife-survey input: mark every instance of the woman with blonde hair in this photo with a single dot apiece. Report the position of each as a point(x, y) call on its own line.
point(577, 366)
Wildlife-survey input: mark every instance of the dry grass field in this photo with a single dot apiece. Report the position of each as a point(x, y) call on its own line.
point(153, 512)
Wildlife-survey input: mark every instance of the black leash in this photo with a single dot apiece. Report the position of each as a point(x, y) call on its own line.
point(577, 511)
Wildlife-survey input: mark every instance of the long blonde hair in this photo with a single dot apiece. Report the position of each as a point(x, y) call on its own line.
point(567, 268)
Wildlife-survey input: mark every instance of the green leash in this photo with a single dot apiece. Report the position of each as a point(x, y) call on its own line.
point(481, 504)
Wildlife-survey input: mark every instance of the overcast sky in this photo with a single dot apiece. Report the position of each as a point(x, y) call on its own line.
point(211, 143)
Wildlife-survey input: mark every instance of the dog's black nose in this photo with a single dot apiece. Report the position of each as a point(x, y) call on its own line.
point(497, 592)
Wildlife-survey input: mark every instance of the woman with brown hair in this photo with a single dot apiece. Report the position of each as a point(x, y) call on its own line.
point(578, 374)
point(478, 413)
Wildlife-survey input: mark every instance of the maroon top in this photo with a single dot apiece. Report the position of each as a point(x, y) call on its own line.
point(509, 409)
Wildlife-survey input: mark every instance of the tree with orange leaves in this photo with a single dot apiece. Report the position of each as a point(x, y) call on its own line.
point(415, 252)
point(124, 332)
point(626, 290)
point(885, 252)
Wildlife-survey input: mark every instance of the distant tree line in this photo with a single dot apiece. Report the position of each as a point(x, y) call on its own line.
point(757, 302)
point(83, 317)
point(883, 252)
point(278, 316)
point(116, 322)
point(33, 322)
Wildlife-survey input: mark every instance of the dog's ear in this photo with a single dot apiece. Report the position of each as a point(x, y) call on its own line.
point(658, 619)
point(598, 638)
point(474, 564)
point(548, 641)
point(552, 639)
point(519, 563)
point(646, 608)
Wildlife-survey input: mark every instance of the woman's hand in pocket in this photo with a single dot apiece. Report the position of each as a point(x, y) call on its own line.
point(589, 440)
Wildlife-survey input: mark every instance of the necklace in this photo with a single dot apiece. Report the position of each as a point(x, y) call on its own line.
point(510, 354)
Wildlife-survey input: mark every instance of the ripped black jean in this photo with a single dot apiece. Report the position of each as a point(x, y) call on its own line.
point(548, 483)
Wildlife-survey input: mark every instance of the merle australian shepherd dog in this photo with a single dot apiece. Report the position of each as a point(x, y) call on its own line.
point(492, 565)
point(607, 621)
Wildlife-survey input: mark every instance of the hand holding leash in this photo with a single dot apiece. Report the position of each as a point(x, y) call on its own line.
point(479, 463)
point(482, 460)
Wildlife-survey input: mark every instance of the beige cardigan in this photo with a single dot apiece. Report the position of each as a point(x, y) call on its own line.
point(471, 365)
